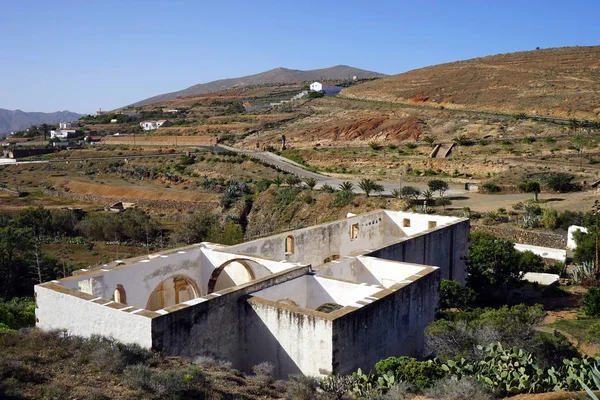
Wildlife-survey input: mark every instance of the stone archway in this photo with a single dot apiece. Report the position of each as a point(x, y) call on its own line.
point(241, 272)
point(172, 291)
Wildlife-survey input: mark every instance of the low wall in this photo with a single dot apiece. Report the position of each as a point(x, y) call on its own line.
point(85, 315)
point(160, 140)
point(542, 239)
point(293, 342)
point(393, 325)
point(157, 204)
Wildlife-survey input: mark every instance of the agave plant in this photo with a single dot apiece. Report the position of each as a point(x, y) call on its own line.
point(582, 272)
point(596, 377)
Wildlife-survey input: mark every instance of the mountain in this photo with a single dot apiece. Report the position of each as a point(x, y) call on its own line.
point(277, 75)
point(560, 82)
point(15, 120)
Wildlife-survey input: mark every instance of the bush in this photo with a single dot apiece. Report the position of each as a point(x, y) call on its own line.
point(560, 182)
point(342, 198)
point(467, 387)
point(17, 313)
point(454, 295)
point(423, 374)
point(458, 333)
point(169, 384)
point(594, 333)
point(300, 387)
point(591, 302)
point(491, 187)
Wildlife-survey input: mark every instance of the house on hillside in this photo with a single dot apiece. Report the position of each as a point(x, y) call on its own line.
point(325, 88)
point(63, 134)
point(68, 125)
point(152, 125)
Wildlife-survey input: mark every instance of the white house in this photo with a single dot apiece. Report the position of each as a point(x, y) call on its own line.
point(152, 125)
point(68, 125)
point(63, 134)
point(324, 88)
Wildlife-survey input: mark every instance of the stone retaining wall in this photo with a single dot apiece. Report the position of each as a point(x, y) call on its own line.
point(155, 204)
point(535, 238)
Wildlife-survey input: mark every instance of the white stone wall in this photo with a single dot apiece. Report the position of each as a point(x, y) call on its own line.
point(293, 342)
point(82, 317)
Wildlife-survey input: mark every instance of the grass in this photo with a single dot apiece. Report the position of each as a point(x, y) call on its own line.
point(578, 328)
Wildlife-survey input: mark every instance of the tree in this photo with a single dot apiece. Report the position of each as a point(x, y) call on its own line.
point(561, 182)
point(443, 202)
point(229, 234)
point(346, 186)
point(428, 196)
point(194, 228)
point(310, 182)
point(454, 295)
point(493, 264)
point(438, 185)
point(410, 191)
point(45, 129)
point(396, 193)
point(367, 186)
point(530, 187)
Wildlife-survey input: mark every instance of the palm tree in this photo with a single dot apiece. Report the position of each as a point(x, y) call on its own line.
point(366, 185)
point(278, 181)
point(396, 193)
point(293, 180)
point(346, 186)
point(310, 182)
point(428, 196)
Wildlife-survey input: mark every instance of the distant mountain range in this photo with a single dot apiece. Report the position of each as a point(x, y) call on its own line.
point(277, 75)
point(15, 120)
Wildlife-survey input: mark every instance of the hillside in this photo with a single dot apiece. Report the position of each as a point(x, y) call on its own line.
point(277, 75)
point(14, 120)
point(560, 82)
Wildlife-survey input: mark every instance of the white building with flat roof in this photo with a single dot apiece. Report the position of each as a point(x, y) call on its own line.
point(325, 299)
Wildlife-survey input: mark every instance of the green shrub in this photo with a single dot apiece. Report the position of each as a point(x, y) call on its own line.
point(594, 333)
point(423, 374)
point(286, 195)
point(491, 187)
point(591, 302)
point(342, 198)
point(454, 295)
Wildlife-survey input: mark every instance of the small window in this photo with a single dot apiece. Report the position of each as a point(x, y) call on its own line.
point(354, 232)
point(432, 224)
point(289, 245)
point(119, 295)
point(406, 223)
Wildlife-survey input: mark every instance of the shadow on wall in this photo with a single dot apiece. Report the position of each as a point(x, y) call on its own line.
point(261, 345)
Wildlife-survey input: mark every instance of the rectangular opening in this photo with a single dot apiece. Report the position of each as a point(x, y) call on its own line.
point(406, 223)
point(431, 224)
point(354, 232)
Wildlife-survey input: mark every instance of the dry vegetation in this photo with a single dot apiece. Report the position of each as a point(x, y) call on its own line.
point(562, 82)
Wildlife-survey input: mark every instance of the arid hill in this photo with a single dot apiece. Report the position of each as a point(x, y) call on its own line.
point(560, 82)
point(277, 75)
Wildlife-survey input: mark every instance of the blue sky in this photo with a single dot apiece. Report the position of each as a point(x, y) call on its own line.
point(84, 55)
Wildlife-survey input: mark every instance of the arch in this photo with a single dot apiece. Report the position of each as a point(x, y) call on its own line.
point(119, 295)
point(244, 263)
point(173, 290)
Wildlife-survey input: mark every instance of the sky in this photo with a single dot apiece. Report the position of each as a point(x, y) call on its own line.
point(83, 55)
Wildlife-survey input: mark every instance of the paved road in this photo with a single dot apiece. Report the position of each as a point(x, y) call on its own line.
point(290, 166)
